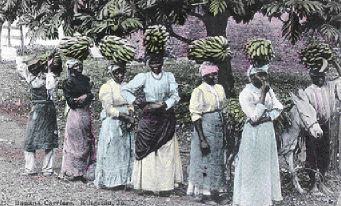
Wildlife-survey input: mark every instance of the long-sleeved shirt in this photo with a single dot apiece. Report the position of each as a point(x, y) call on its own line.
point(206, 98)
point(324, 99)
point(35, 81)
point(111, 98)
point(161, 87)
point(250, 102)
point(74, 87)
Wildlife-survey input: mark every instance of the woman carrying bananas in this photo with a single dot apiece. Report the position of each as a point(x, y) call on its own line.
point(157, 165)
point(257, 180)
point(115, 146)
point(79, 141)
point(42, 132)
point(206, 171)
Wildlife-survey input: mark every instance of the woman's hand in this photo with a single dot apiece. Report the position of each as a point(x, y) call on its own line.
point(126, 118)
point(205, 147)
point(81, 98)
point(265, 87)
point(155, 106)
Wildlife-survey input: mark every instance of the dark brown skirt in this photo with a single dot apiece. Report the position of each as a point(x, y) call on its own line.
point(154, 130)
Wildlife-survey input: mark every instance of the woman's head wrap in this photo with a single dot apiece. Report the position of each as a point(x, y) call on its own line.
point(113, 67)
point(207, 68)
point(71, 62)
point(253, 70)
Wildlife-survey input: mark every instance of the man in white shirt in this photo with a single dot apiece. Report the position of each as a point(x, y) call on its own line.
point(324, 97)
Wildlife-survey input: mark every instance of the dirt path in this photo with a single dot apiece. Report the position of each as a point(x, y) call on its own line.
point(39, 190)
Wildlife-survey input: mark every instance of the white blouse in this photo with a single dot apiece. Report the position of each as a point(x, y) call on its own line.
point(160, 87)
point(325, 99)
point(206, 98)
point(250, 98)
point(111, 98)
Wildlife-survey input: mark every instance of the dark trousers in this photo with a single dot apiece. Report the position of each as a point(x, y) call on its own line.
point(318, 151)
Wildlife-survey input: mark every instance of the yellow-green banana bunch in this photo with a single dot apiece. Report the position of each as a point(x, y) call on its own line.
point(311, 55)
point(75, 47)
point(259, 51)
point(116, 49)
point(155, 38)
point(213, 48)
point(40, 63)
point(234, 116)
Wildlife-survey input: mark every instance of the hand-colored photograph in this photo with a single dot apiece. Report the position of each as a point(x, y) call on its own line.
point(170, 102)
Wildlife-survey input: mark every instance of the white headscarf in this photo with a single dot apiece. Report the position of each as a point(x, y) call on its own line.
point(72, 62)
point(113, 67)
point(253, 70)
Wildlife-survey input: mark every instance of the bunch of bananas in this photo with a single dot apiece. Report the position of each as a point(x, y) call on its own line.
point(234, 115)
point(312, 54)
point(57, 63)
point(213, 48)
point(75, 47)
point(259, 51)
point(155, 38)
point(116, 49)
point(39, 64)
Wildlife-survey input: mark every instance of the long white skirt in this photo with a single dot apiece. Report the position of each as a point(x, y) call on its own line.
point(159, 171)
point(257, 180)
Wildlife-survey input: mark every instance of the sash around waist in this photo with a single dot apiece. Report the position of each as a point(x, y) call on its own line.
point(41, 101)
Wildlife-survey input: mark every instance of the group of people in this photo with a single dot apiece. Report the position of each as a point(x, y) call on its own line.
point(148, 158)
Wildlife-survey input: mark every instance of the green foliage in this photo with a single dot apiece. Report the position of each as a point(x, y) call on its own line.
point(330, 32)
point(292, 29)
point(306, 16)
point(114, 18)
point(217, 6)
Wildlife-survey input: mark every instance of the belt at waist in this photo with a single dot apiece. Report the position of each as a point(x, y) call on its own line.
point(42, 101)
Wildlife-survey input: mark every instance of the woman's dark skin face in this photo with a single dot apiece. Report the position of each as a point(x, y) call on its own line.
point(156, 65)
point(211, 79)
point(258, 78)
point(76, 69)
point(118, 75)
point(318, 80)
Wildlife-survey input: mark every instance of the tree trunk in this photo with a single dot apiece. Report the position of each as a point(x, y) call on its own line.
point(216, 26)
point(1, 23)
point(9, 34)
point(22, 43)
